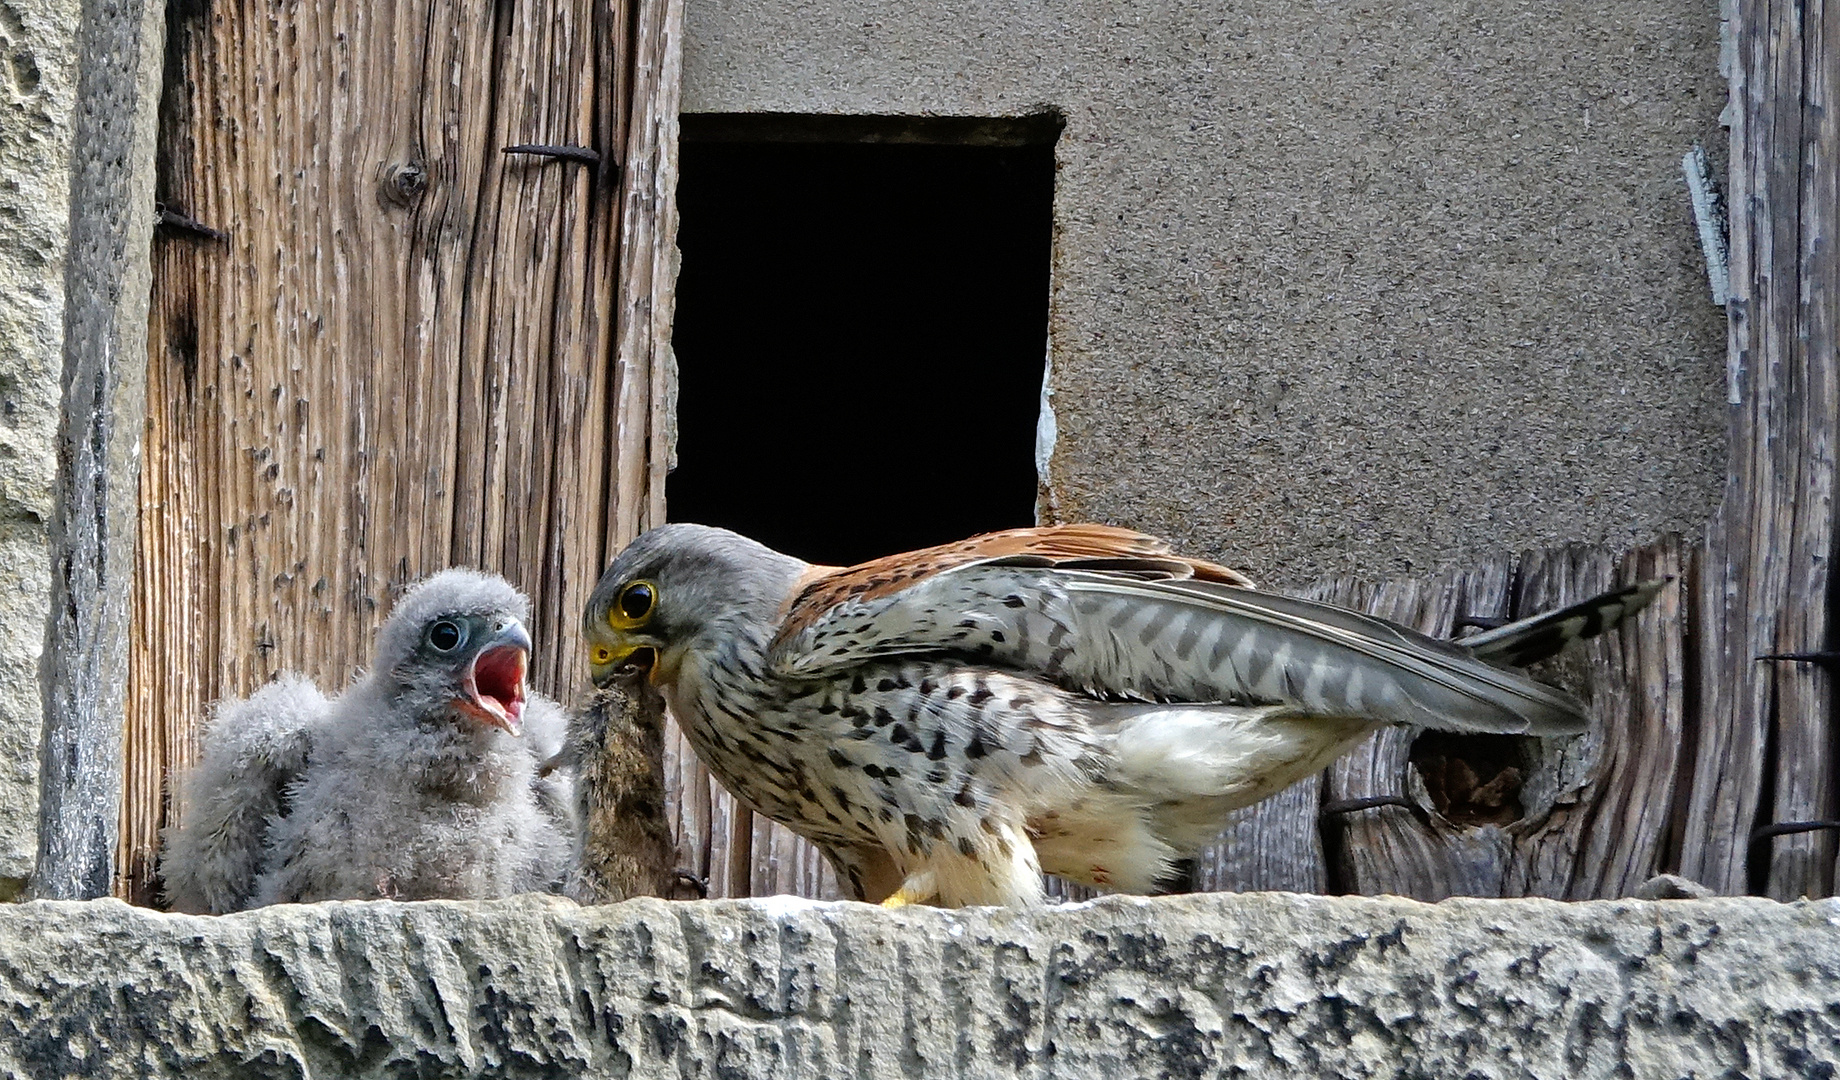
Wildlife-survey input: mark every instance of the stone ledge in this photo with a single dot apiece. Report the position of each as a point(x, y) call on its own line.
point(1267, 984)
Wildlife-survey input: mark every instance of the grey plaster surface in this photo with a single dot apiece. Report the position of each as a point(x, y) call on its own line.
point(38, 90)
point(1336, 287)
point(1270, 985)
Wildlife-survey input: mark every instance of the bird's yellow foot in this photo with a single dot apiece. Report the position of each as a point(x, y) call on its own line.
point(903, 897)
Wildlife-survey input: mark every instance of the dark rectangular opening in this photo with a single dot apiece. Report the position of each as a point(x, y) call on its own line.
point(861, 328)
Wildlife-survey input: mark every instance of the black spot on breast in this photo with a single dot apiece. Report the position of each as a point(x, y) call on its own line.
point(982, 695)
point(1014, 601)
point(842, 797)
point(885, 686)
point(939, 745)
point(955, 693)
point(966, 847)
point(883, 717)
point(858, 685)
point(1021, 701)
point(928, 687)
point(975, 748)
point(838, 759)
point(964, 797)
point(873, 771)
point(997, 636)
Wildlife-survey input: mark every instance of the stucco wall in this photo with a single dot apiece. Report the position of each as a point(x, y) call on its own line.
point(1336, 287)
point(1269, 985)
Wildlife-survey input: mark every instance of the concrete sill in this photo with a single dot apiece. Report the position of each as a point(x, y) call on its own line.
point(1267, 984)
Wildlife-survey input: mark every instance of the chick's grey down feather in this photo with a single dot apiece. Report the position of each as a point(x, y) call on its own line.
point(409, 785)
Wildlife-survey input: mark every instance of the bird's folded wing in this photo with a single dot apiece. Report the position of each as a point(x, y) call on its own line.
point(1118, 632)
point(253, 751)
point(1097, 546)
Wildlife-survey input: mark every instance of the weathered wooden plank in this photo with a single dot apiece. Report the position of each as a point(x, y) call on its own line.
point(1625, 817)
point(413, 351)
point(1766, 749)
point(1808, 740)
point(1273, 846)
point(1590, 816)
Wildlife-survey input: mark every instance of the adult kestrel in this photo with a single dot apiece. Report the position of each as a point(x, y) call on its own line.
point(421, 781)
point(946, 724)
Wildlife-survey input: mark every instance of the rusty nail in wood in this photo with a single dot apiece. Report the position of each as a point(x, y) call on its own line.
point(579, 154)
point(701, 885)
point(1786, 828)
point(1351, 806)
point(172, 219)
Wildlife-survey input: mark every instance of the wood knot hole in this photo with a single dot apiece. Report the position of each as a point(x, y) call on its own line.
point(404, 183)
point(1472, 779)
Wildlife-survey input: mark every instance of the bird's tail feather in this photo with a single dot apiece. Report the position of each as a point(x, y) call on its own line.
point(1530, 640)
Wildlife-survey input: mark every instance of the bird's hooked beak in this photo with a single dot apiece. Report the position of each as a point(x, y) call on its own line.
point(615, 655)
point(493, 691)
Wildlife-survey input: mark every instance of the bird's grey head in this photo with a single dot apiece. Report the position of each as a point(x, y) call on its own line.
point(675, 586)
point(455, 646)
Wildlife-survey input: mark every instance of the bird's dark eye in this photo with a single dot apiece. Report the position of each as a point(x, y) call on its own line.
point(636, 600)
point(444, 636)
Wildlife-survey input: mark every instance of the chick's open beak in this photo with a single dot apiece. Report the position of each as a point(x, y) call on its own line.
point(493, 691)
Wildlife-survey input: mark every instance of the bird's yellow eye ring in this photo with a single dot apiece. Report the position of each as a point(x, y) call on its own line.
point(634, 605)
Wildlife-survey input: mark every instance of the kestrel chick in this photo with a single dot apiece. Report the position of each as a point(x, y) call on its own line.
point(947, 723)
point(421, 781)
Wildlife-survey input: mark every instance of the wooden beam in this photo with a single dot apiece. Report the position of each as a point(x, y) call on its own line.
point(1767, 747)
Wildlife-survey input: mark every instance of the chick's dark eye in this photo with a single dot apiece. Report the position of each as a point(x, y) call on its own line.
point(637, 600)
point(444, 636)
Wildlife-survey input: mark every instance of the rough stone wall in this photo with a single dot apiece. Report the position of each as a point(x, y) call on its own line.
point(79, 80)
point(1269, 985)
point(1337, 288)
point(38, 89)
